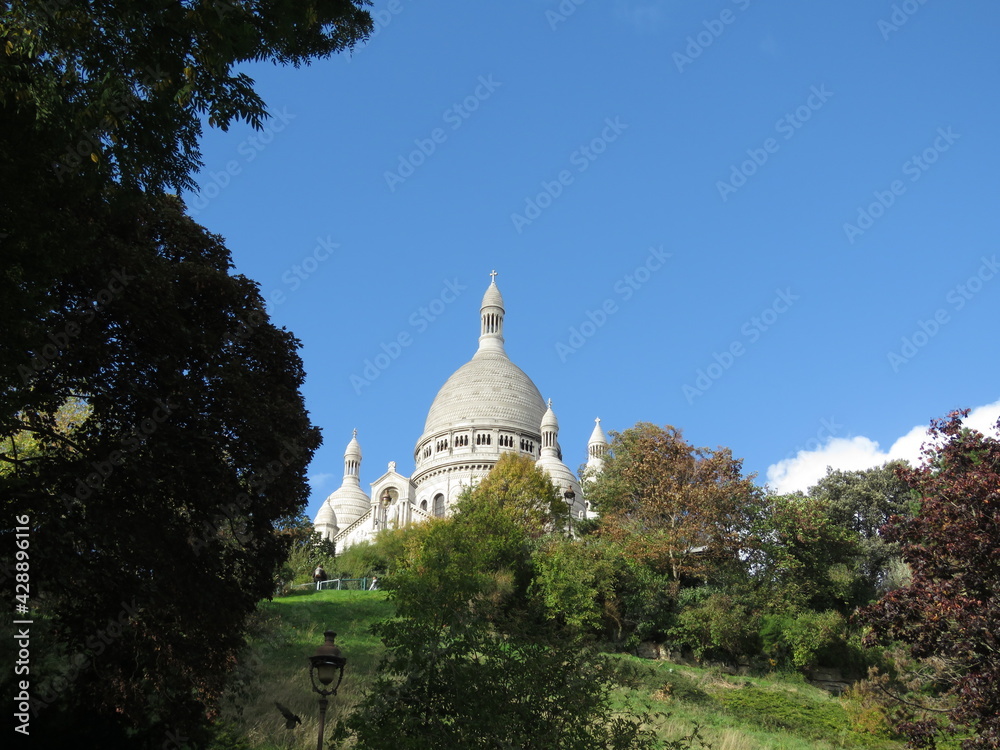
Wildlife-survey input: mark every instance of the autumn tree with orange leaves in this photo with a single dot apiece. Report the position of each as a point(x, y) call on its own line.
point(681, 511)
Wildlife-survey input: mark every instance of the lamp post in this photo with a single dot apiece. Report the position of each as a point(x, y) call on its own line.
point(325, 665)
point(570, 496)
point(381, 517)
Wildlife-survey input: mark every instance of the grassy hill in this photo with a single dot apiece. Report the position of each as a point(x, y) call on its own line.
point(289, 630)
point(733, 713)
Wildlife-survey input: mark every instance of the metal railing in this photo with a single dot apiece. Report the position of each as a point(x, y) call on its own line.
point(341, 584)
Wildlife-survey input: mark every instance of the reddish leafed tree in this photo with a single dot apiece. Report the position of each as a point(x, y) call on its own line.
point(951, 608)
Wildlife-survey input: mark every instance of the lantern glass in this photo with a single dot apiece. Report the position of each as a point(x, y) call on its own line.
point(325, 672)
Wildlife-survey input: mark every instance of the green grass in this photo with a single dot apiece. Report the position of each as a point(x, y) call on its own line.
point(775, 712)
point(277, 668)
point(778, 712)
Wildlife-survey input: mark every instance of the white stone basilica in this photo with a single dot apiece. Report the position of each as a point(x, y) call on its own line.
point(486, 408)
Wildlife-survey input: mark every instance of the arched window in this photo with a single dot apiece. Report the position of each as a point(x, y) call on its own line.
point(439, 504)
point(423, 504)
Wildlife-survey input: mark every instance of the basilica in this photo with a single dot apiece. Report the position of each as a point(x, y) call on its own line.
point(486, 408)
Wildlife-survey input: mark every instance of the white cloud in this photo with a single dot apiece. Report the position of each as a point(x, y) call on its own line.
point(318, 481)
point(853, 454)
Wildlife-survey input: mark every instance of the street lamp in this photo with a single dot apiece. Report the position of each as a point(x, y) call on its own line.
point(570, 496)
point(325, 665)
point(382, 517)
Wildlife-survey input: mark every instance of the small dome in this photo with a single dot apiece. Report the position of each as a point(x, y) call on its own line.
point(326, 516)
point(492, 297)
point(562, 478)
point(549, 421)
point(597, 436)
point(348, 503)
point(353, 449)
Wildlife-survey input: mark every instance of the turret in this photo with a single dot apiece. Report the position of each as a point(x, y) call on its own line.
point(550, 434)
point(491, 318)
point(550, 461)
point(352, 461)
point(349, 502)
point(597, 448)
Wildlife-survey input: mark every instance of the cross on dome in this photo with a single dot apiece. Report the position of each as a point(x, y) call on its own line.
point(493, 277)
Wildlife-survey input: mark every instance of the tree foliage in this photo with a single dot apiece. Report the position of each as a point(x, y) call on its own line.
point(129, 83)
point(574, 580)
point(380, 556)
point(157, 506)
point(863, 502)
point(464, 687)
point(306, 550)
point(524, 496)
point(473, 660)
point(951, 608)
point(807, 560)
point(681, 510)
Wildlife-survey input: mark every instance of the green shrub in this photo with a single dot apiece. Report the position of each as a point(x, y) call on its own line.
point(804, 639)
point(718, 625)
point(771, 709)
point(667, 681)
point(379, 557)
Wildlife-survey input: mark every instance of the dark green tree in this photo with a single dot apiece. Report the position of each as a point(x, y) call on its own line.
point(863, 502)
point(807, 560)
point(100, 100)
point(154, 513)
point(124, 86)
point(158, 511)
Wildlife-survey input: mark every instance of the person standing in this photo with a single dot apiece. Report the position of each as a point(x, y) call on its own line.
point(319, 575)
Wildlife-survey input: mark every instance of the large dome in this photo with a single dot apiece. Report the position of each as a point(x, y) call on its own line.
point(489, 391)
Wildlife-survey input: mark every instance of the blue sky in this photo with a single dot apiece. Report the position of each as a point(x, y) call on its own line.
point(771, 225)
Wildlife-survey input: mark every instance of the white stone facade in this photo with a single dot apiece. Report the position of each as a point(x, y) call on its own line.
point(489, 406)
